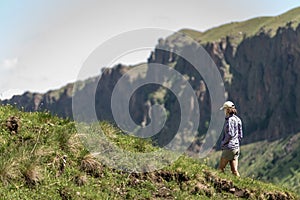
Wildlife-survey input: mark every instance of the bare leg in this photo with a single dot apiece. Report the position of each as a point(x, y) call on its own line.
point(223, 163)
point(234, 167)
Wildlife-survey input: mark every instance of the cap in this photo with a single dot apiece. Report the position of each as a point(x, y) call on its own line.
point(227, 104)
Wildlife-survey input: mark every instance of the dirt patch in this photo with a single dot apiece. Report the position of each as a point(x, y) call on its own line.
point(164, 192)
point(202, 189)
point(223, 185)
point(13, 124)
point(277, 196)
point(160, 176)
point(159, 179)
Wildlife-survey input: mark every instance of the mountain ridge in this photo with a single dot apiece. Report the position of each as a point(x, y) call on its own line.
point(233, 63)
point(246, 28)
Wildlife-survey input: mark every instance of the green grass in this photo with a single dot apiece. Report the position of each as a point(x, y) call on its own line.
point(31, 167)
point(239, 30)
point(276, 162)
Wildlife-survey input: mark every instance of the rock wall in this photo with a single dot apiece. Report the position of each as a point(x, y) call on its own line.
point(261, 75)
point(266, 85)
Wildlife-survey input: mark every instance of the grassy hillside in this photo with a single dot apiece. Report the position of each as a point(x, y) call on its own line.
point(44, 159)
point(276, 161)
point(238, 30)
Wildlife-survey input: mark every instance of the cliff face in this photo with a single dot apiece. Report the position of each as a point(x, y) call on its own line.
point(265, 84)
point(58, 102)
point(261, 76)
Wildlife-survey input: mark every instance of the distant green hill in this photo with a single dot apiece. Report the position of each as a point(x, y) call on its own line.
point(44, 159)
point(239, 30)
point(276, 161)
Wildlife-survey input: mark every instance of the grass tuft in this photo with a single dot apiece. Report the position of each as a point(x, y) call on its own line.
point(9, 171)
point(91, 165)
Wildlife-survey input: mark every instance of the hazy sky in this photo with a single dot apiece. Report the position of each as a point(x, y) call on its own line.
point(43, 43)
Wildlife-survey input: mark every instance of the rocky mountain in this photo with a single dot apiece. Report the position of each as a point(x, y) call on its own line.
point(259, 61)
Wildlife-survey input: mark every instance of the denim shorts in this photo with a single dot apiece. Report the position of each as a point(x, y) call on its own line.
point(230, 154)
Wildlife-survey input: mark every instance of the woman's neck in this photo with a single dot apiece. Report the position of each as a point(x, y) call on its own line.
point(228, 114)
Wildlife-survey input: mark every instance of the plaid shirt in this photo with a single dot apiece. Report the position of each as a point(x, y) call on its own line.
point(233, 133)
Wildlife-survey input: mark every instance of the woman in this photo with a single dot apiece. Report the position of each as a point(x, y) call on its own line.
point(231, 139)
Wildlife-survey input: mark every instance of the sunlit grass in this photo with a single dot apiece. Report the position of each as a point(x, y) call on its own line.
point(46, 160)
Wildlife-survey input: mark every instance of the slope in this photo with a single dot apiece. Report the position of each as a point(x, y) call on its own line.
point(42, 158)
point(276, 161)
point(237, 31)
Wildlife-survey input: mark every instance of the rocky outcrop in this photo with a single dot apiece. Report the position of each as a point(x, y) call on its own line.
point(261, 75)
point(265, 84)
point(58, 102)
